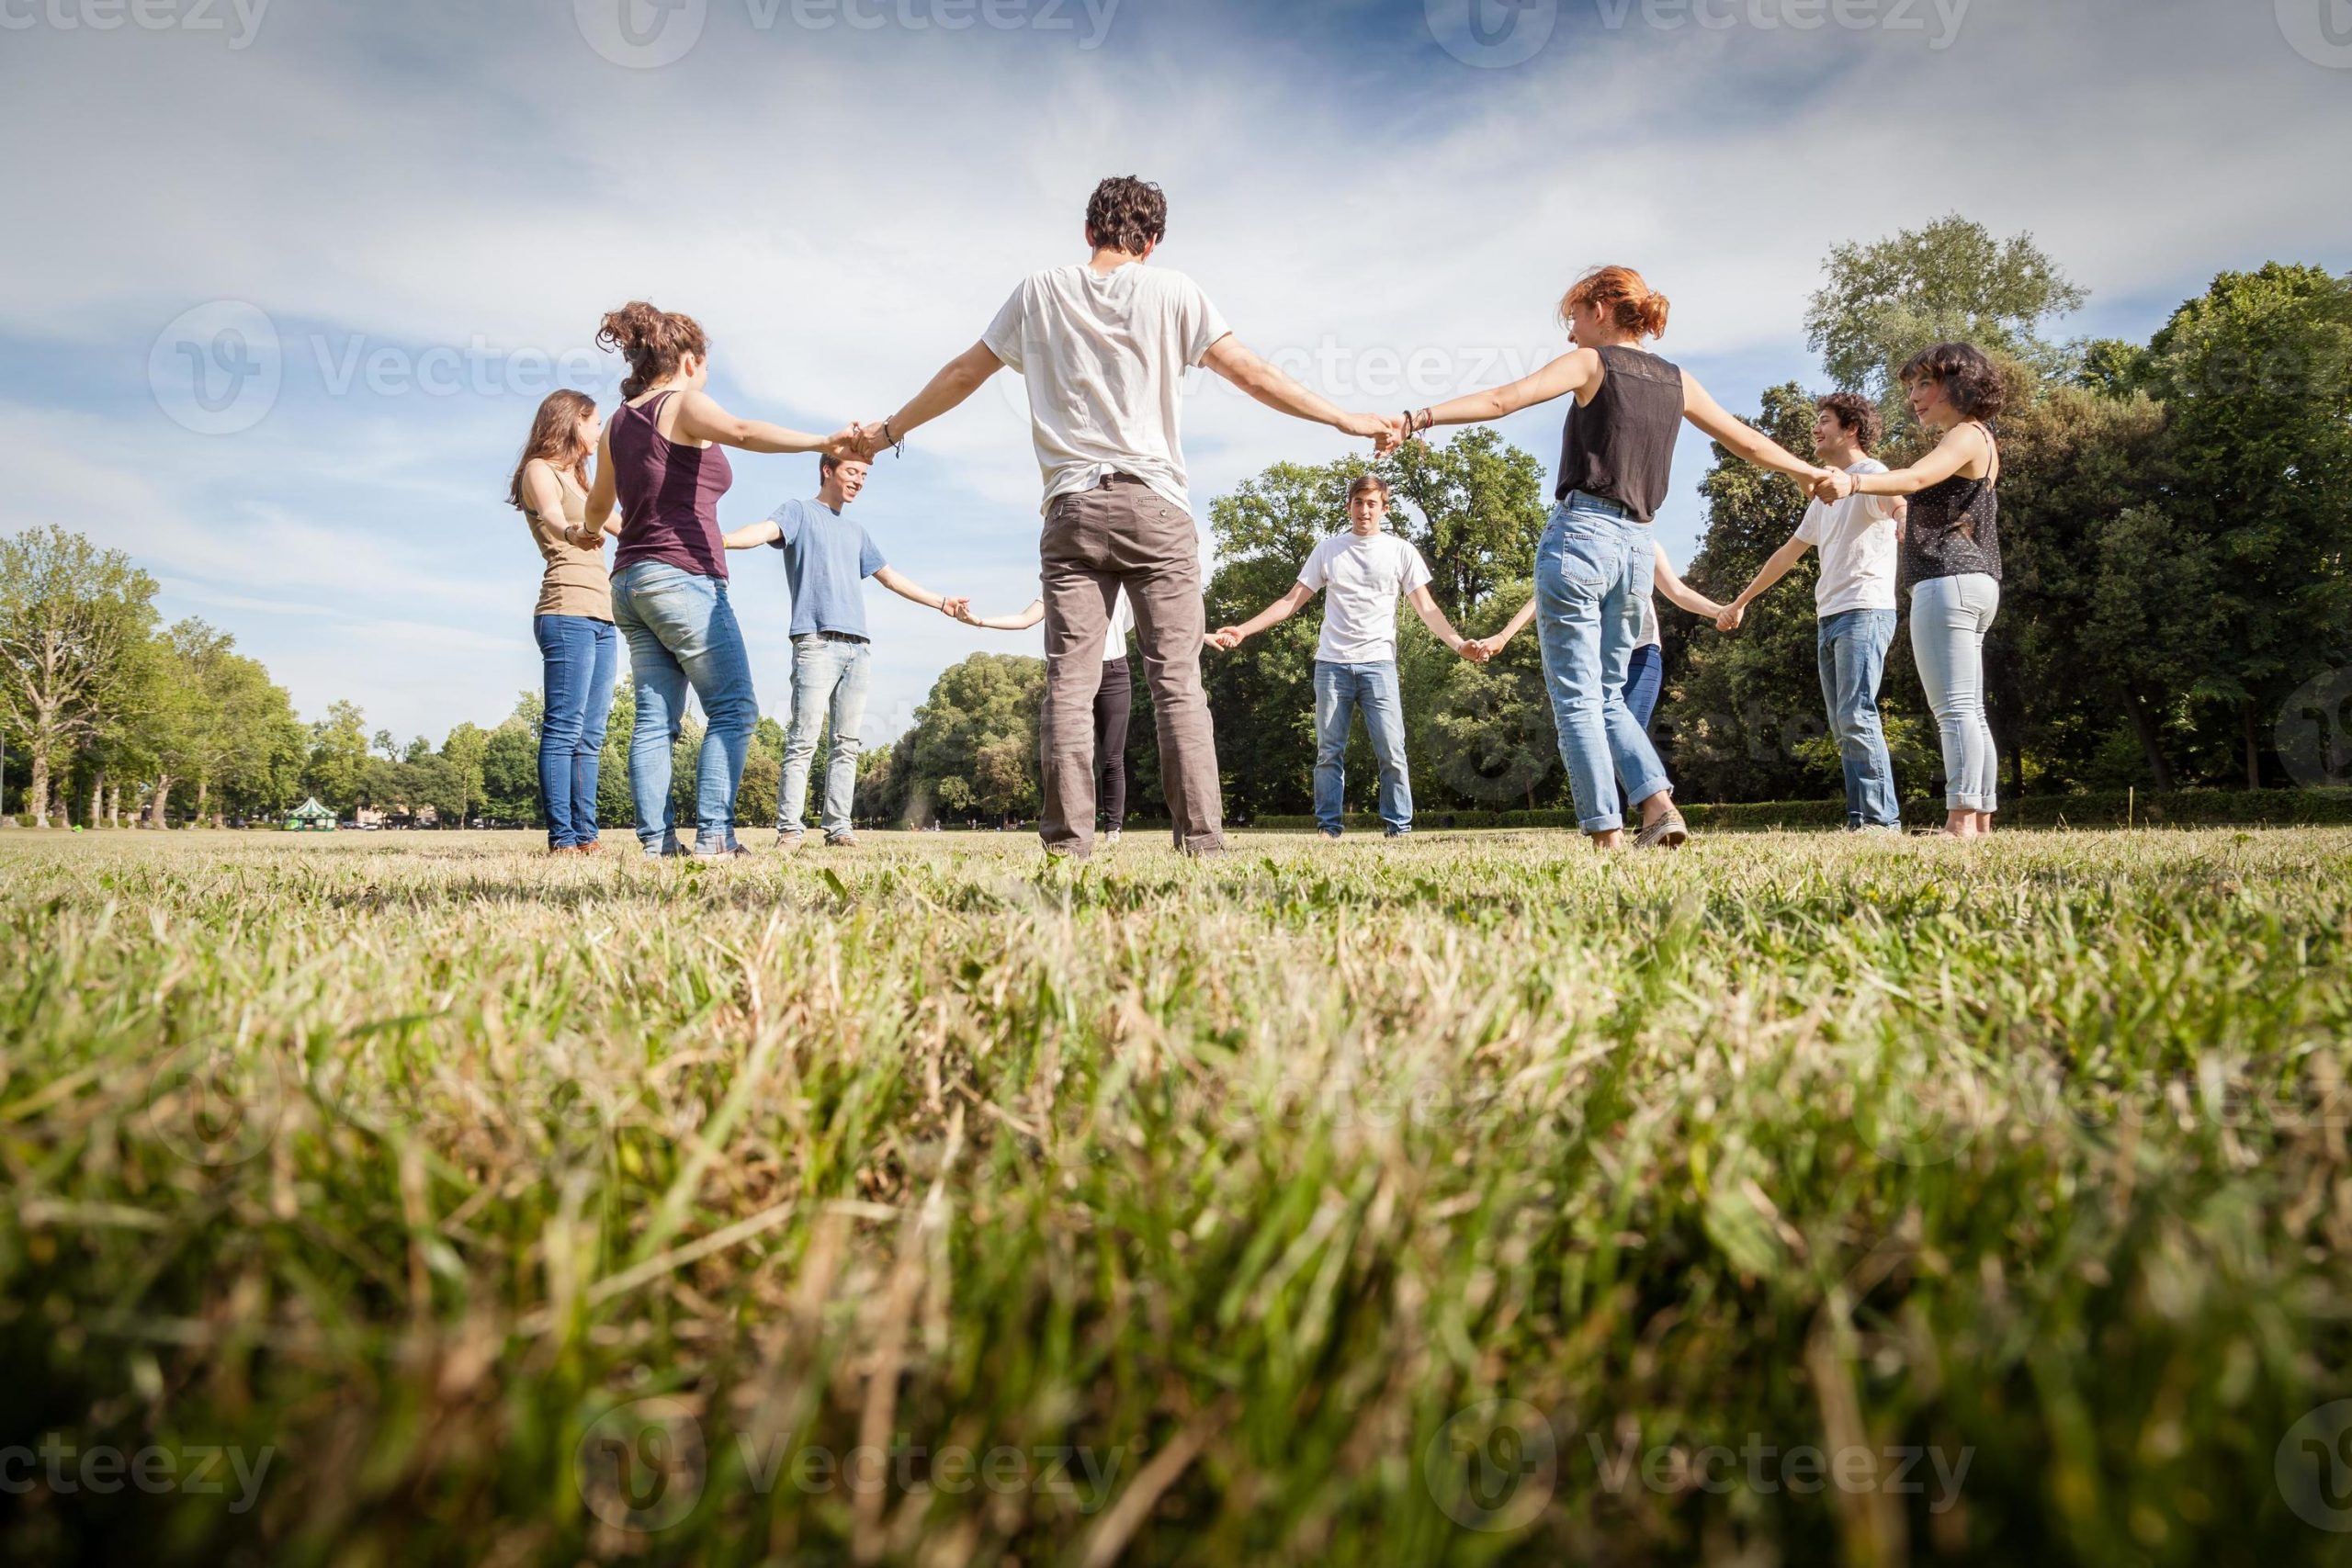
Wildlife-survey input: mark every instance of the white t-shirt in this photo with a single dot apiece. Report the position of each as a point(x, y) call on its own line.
point(1104, 355)
point(1855, 539)
point(1361, 577)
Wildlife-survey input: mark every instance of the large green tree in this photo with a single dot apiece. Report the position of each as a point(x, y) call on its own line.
point(72, 618)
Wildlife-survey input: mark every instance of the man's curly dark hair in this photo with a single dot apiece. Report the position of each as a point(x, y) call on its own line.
point(1126, 214)
point(1857, 414)
point(1967, 374)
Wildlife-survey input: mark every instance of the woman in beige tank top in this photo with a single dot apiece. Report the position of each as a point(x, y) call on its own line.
point(579, 650)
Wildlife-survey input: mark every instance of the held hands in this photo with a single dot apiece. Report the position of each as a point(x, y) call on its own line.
point(1832, 485)
point(958, 610)
point(1733, 613)
point(1478, 650)
point(1224, 640)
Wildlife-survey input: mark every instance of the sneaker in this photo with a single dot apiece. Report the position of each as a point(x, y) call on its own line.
point(791, 843)
point(841, 840)
point(1111, 839)
point(1396, 834)
point(1667, 833)
point(1330, 834)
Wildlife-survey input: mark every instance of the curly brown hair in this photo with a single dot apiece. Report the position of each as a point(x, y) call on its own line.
point(654, 341)
point(1967, 375)
point(1126, 214)
point(1857, 414)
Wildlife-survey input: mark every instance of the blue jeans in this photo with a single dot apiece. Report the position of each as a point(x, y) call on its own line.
point(681, 633)
point(1341, 690)
point(826, 674)
point(1592, 563)
point(1950, 616)
point(1645, 676)
point(580, 658)
point(1852, 652)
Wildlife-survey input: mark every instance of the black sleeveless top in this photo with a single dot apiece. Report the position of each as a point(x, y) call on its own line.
point(1954, 528)
point(1619, 447)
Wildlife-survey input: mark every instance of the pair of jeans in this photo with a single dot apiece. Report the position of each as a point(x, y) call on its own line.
point(1340, 692)
point(579, 662)
point(1115, 709)
point(1851, 650)
point(1591, 564)
point(829, 681)
point(1950, 616)
point(682, 635)
point(1123, 535)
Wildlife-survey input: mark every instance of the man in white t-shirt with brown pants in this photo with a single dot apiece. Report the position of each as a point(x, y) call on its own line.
point(1362, 574)
point(1105, 347)
point(1855, 600)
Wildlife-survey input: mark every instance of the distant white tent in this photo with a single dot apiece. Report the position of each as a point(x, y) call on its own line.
point(310, 817)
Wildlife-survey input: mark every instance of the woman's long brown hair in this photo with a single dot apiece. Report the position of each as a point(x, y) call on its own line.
point(555, 440)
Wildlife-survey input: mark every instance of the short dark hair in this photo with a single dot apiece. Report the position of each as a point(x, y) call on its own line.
point(1857, 414)
point(1126, 214)
point(1368, 481)
point(1967, 375)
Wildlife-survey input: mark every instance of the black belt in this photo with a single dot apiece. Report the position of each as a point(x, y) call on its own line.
point(844, 637)
point(1602, 501)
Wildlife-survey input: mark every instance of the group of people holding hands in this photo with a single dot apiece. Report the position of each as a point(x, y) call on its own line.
point(1103, 346)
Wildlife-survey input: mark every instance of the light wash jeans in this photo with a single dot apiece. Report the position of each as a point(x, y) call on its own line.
point(1950, 616)
point(682, 634)
point(1852, 648)
point(1341, 690)
point(1590, 565)
point(827, 674)
point(579, 659)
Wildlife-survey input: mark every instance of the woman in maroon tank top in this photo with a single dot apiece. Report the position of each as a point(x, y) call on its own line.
point(660, 463)
point(1597, 552)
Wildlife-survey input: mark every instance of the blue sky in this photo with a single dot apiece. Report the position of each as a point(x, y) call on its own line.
point(418, 213)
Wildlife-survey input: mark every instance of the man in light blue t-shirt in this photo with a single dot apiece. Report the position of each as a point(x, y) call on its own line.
point(827, 559)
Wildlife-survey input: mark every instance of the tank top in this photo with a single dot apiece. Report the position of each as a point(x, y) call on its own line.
point(1619, 447)
point(1955, 528)
point(669, 494)
point(575, 583)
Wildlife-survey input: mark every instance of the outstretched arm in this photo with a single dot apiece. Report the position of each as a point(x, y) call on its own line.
point(752, 535)
point(1230, 358)
point(920, 595)
point(1961, 445)
point(1274, 614)
point(601, 495)
point(1782, 562)
point(1020, 623)
point(701, 419)
point(1425, 604)
point(957, 379)
point(1745, 441)
point(1572, 372)
point(1668, 582)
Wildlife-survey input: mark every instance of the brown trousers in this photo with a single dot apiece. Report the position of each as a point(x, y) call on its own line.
point(1123, 535)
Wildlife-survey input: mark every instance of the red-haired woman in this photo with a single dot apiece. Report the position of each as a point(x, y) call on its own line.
point(662, 464)
point(579, 650)
point(1596, 553)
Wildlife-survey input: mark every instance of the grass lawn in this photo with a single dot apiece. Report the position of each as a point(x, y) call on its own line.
point(1794, 1200)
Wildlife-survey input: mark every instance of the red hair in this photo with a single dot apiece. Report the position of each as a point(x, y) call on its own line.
point(1622, 296)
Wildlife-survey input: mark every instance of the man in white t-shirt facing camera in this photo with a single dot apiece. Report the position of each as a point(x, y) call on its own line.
point(1855, 600)
point(1362, 574)
point(1103, 346)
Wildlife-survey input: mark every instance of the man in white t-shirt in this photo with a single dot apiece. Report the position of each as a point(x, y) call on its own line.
point(1104, 347)
point(1855, 600)
point(1360, 574)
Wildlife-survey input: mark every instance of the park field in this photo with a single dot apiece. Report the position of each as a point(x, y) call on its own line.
point(408, 1197)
